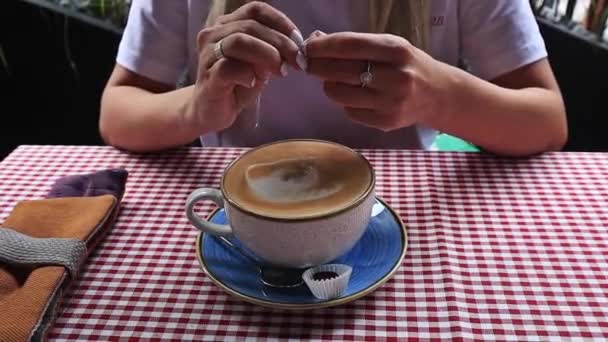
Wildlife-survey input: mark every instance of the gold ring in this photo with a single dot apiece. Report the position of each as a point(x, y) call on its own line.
point(218, 50)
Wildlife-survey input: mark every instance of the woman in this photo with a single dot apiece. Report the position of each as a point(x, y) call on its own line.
point(251, 80)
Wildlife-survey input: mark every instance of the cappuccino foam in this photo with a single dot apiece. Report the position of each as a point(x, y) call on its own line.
point(297, 179)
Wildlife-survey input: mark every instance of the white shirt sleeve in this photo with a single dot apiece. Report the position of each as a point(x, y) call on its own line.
point(154, 43)
point(499, 36)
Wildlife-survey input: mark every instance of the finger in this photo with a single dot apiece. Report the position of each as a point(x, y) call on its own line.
point(266, 15)
point(246, 97)
point(248, 49)
point(371, 118)
point(230, 78)
point(285, 46)
point(360, 46)
point(315, 34)
point(318, 33)
point(227, 73)
point(349, 72)
point(352, 96)
point(337, 70)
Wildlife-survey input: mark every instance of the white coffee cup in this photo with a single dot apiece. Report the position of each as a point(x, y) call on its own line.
point(285, 242)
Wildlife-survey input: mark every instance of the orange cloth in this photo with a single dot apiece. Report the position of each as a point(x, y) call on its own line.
point(29, 297)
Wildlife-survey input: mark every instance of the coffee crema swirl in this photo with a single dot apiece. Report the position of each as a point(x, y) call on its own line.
point(297, 179)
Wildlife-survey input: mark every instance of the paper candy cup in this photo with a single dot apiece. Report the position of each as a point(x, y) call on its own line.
point(328, 288)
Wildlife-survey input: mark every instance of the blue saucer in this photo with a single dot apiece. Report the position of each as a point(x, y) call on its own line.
point(374, 259)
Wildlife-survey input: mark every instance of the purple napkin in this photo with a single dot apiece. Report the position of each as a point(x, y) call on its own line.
point(106, 182)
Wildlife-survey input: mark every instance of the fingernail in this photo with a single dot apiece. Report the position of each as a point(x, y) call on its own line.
point(284, 70)
point(252, 84)
point(301, 60)
point(266, 81)
point(315, 34)
point(296, 36)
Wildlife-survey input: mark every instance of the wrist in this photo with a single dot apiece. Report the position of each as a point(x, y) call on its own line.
point(448, 97)
point(189, 121)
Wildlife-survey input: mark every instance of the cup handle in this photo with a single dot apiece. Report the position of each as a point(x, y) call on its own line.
point(204, 225)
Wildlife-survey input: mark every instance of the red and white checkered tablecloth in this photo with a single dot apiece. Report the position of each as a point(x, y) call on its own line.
point(500, 249)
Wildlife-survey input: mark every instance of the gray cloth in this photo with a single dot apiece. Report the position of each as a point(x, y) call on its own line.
point(22, 250)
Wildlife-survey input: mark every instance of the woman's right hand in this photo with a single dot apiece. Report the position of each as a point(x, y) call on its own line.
point(257, 41)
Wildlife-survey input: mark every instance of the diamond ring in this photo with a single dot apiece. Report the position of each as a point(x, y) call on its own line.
point(367, 77)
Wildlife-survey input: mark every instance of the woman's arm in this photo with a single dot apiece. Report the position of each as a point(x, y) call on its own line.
point(256, 41)
point(140, 114)
point(496, 38)
point(521, 113)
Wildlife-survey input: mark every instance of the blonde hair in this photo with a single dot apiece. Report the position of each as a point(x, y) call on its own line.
point(409, 19)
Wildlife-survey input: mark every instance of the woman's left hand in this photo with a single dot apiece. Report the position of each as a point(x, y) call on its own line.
point(408, 86)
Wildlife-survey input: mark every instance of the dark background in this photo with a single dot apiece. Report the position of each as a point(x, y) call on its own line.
point(43, 101)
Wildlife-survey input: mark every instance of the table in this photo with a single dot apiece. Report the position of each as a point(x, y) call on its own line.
point(507, 249)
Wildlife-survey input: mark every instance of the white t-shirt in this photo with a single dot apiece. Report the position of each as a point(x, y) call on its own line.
point(492, 37)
